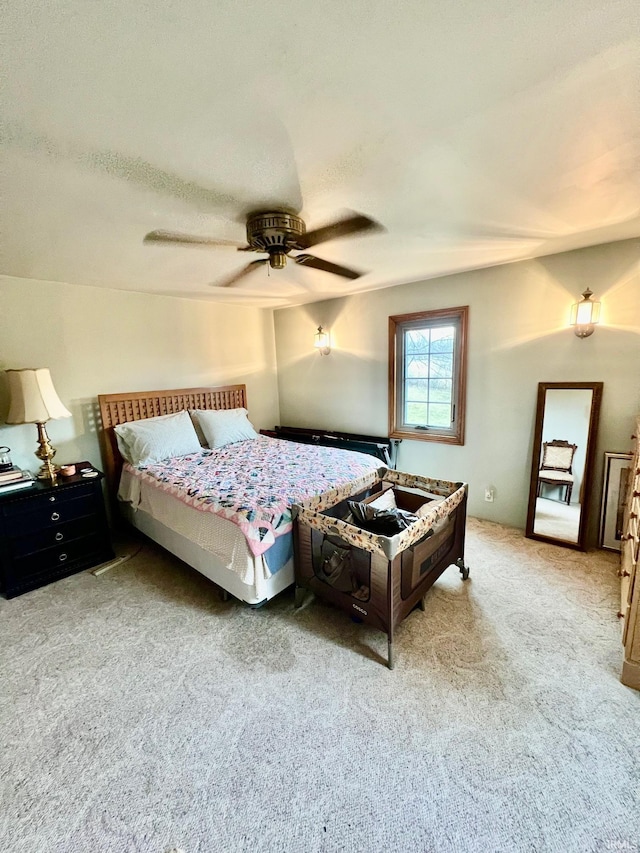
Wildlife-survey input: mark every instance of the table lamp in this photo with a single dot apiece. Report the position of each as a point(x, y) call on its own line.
point(34, 401)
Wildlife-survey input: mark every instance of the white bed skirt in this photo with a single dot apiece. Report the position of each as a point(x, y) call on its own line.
point(261, 590)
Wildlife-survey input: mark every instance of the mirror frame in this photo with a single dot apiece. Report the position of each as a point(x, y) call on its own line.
point(543, 387)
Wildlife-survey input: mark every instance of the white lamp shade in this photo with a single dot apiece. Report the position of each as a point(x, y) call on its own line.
point(33, 397)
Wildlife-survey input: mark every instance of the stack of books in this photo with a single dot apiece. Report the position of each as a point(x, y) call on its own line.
point(15, 478)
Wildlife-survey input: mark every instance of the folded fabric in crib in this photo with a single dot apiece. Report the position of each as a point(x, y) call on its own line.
point(386, 522)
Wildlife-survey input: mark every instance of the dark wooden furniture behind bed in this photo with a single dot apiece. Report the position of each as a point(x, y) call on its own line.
point(137, 405)
point(381, 447)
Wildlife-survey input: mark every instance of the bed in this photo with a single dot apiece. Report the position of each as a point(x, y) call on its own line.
point(222, 508)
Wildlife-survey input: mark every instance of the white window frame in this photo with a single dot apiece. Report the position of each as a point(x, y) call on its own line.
point(398, 325)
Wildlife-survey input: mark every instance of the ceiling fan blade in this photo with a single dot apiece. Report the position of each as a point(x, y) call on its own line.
point(358, 223)
point(174, 237)
point(326, 266)
point(241, 274)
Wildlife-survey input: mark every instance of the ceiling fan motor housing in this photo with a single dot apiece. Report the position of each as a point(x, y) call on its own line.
point(276, 233)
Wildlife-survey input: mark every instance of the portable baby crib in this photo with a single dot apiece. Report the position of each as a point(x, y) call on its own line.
point(381, 579)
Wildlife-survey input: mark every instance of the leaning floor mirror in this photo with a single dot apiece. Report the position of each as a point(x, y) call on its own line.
point(564, 446)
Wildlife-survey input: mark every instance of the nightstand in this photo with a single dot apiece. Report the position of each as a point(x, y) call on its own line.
point(50, 531)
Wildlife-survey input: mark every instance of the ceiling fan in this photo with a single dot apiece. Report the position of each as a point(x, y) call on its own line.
point(277, 233)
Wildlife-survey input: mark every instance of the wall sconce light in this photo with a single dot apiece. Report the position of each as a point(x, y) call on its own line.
point(34, 401)
point(322, 342)
point(585, 315)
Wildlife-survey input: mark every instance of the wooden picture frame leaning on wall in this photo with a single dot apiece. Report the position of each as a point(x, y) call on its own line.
point(617, 470)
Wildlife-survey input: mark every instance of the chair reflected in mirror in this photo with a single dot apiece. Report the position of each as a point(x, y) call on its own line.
point(556, 467)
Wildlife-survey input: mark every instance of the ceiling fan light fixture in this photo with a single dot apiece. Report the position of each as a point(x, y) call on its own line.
point(277, 260)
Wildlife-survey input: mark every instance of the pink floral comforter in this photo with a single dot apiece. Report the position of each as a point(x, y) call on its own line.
point(253, 483)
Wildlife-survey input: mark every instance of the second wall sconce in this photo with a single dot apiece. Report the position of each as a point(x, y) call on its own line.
point(585, 315)
point(322, 341)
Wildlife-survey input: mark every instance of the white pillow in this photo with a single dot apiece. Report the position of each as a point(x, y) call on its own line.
point(198, 428)
point(425, 508)
point(387, 500)
point(154, 439)
point(225, 426)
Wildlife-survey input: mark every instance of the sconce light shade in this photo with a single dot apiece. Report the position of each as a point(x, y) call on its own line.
point(322, 341)
point(34, 401)
point(585, 315)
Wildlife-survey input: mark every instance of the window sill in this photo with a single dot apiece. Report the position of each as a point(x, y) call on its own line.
point(427, 435)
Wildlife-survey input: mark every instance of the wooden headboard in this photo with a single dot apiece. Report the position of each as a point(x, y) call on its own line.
point(135, 406)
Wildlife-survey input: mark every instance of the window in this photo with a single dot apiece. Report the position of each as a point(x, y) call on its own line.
point(427, 370)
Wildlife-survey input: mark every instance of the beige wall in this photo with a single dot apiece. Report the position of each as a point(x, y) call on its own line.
point(518, 337)
point(98, 341)
point(101, 341)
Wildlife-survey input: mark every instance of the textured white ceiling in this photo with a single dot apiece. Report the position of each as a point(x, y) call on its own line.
point(475, 132)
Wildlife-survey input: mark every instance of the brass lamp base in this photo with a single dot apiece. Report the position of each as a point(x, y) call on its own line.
point(45, 452)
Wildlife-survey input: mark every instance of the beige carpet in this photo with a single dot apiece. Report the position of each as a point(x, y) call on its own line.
point(139, 712)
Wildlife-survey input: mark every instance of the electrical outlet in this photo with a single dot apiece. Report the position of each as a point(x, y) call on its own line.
point(488, 495)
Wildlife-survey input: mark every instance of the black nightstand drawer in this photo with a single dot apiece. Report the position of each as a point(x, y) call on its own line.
point(33, 501)
point(54, 535)
point(67, 552)
point(45, 514)
point(39, 569)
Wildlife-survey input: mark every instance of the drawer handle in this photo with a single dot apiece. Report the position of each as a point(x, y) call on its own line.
point(55, 516)
point(59, 536)
point(62, 557)
point(52, 498)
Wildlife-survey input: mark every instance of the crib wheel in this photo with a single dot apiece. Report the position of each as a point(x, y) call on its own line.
point(464, 570)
